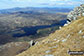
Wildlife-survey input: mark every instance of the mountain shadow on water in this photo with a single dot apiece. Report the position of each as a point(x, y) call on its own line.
point(33, 30)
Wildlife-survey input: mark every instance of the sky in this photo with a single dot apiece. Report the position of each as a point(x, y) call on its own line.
point(5, 4)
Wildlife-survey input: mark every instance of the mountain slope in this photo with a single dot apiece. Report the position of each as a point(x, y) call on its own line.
point(13, 48)
point(58, 43)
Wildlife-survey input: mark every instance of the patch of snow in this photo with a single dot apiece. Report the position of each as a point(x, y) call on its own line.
point(49, 55)
point(47, 51)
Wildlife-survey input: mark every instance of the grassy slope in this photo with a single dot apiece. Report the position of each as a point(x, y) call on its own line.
point(58, 43)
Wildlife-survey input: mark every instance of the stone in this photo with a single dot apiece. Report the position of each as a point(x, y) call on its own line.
point(60, 27)
point(64, 40)
point(80, 32)
point(32, 43)
point(68, 22)
point(82, 14)
point(57, 41)
point(68, 36)
point(48, 51)
point(36, 42)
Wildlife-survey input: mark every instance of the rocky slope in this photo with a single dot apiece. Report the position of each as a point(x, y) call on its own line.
point(77, 12)
point(58, 43)
point(70, 37)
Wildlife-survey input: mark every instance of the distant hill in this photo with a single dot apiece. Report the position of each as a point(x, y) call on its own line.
point(35, 9)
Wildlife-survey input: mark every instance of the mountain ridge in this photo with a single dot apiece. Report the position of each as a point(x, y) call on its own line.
point(58, 43)
point(35, 9)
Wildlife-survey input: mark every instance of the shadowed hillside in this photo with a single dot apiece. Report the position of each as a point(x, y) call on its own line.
point(58, 43)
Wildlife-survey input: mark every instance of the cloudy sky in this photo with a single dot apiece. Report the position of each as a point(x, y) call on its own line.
point(4, 4)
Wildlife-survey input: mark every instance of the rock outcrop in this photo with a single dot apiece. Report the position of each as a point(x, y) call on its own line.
point(78, 11)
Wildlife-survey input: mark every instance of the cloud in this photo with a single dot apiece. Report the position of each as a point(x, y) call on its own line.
point(43, 3)
point(59, 0)
point(21, 0)
point(64, 3)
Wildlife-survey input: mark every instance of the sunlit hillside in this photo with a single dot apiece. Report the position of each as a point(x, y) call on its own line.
point(58, 43)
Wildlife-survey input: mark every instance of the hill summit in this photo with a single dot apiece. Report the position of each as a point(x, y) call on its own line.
point(70, 37)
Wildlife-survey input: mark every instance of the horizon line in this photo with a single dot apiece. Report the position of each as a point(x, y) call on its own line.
point(37, 7)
